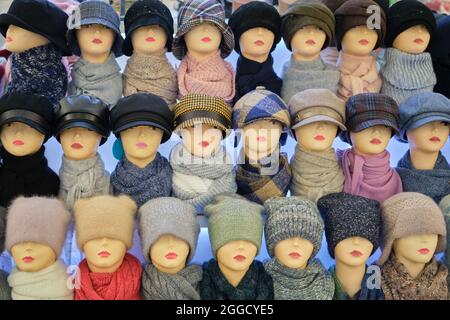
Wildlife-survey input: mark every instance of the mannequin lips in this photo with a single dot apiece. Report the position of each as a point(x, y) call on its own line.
point(27, 259)
point(239, 258)
point(418, 41)
point(97, 41)
point(356, 253)
point(150, 39)
point(18, 143)
point(295, 255)
point(363, 42)
point(171, 256)
point(319, 138)
point(203, 144)
point(77, 146)
point(9, 39)
point(435, 139)
point(141, 145)
point(261, 139)
point(375, 141)
point(259, 43)
point(424, 251)
point(104, 254)
point(206, 39)
point(310, 42)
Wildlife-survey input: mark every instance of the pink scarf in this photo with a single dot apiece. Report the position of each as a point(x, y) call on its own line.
point(369, 176)
point(213, 77)
point(358, 75)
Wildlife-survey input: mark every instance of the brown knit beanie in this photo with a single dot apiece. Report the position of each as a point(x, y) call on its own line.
point(105, 217)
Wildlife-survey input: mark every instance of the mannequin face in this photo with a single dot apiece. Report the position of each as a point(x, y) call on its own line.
point(429, 138)
point(141, 144)
point(416, 248)
point(203, 40)
point(294, 253)
point(20, 40)
point(371, 141)
point(169, 254)
point(20, 139)
point(317, 136)
point(149, 39)
point(79, 143)
point(202, 140)
point(104, 254)
point(256, 43)
point(359, 41)
point(32, 256)
point(95, 42)
point(353, 251)
point(414, 40)
point(237, 255)
point(262, 138)
point(307, 43)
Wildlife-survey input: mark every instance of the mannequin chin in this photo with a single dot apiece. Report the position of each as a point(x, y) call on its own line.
point(104, 255)
point(359, 41)
point(256, 44)
point(317, 136)
point(203, 140)
point(141, 144)
point(20, 139)
point(414, 40)
point(294, 253)
point(20, 40)
point(95, 42)
point(169, 254)
point(261, 139)
point(203, 41)
point(353, 252)
point(371, 141)
point(148, 40)
point(307, 43)
point(79, 143)
point(32, 256)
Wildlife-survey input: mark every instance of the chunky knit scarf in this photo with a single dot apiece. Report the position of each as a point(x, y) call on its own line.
point(364, 293)
point(39, 70)
point(358, 75)
point(397, 283)
point(50, 283)
point(102, 80)
point(213, 77)
point(153, 181)
point(124, 284)
point(5, 290)
point(184, 285)
point(369, 176)
point(152, 74)
point(433, 183)
point(251, 74)
point(257, 183)
point(255, 285)
point(198, 180)
point(82, 179)
point(405, 75)
point(315, 174)
point(302, 75)
point(312, 283)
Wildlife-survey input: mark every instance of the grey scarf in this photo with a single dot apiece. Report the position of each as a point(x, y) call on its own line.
point(312, 283)
point(5, 290)
point(184, 285)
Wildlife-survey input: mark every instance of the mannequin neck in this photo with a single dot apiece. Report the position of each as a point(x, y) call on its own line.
point(141, 163)
point(350, 277)
point(163, 269)
point(422, 160)
point(202, 56)
point(255, 57)
point(298, 57)
point(96, 58)
point(110, 269)
point(233, 277)
point(91, 156)
point(414, 268)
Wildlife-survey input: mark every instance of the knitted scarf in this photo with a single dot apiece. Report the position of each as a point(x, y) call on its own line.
point(369, 176)
point(39, 70)
point(302, 75)
point(397, 283)
point(102, 80)
point(5, 290)
point(255, 285)
point(124, 284)
point(433, 183)
point(143, 184)
point(251, 74)
point(358, 75)
point(256, 183)
point(315, 174)
point(312, 283)
point(405, 75)
point(213, 77)
point(184, 285)
point(364, 293)
point(82, 179)
point(50, 283)
point(27, 176)
point(153, 74)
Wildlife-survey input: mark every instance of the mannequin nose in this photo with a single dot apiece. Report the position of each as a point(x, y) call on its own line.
point(241, 244)
point(356, 241)
point(260, 31)
point(104, 242)
point(296, 242)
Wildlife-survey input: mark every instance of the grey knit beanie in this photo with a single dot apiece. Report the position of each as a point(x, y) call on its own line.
point(445, 205)
point(2, 228)
point(292, 217)
point(168, 215)
point(348, 216)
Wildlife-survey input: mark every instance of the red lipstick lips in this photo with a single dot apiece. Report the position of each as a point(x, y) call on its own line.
point(319, 138)
point(295, 255)
point(171, 256)
point(259, 43)
point(239, 258)
point(104, 254)
point(206, 39)
point(9, 39)
point(150, 39)
point(97, 41)
point(424, 251)
point(363, 42)
point(310, 42)
point(375, 141)
point(27, 259)
point(356, 253)
point(435, 139)
point(418, 41)
point(204, 144)
point(18, 143)
point(77, 146)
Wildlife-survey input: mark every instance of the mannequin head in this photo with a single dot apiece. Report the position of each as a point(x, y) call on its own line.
point(416, 248)
point(354, 251)
point(148, 40)
point(256, 43)
point(236, 256)
point(307, 43)
point(20, 139)
point(429, 138)
point(104, 254)
point(32, 256)
point(371, 141)
point(20, 40)
point(79, 143)
point(294, 253)
point(261, 138)
point(414, 40)
point(317, 136)
point(141, 144)
point(203, 40)
point(359, 41)
point(202, 140)
point(95, 42)
point(169, 254)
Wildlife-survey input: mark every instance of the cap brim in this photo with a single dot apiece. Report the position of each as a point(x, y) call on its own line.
point(131, 124)
point(375, 122)
point(319, 118)
point(82, 124)
point(28, 122)
point(421, 122)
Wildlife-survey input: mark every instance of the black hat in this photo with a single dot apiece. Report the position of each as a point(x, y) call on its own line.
point(406, 14)
point(82, 111)
point(29, 108)
point(38, 16)
point(145, 13)
point(264, 15)
point(142, 109)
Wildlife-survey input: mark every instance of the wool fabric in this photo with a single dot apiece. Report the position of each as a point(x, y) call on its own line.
point(440, 53)
point(445, 207)
point(5, 290)
point(2, 228)
point(363, 294)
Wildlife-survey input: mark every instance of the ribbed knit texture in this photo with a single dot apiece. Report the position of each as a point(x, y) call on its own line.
point(363, 294)
point(445, 207)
